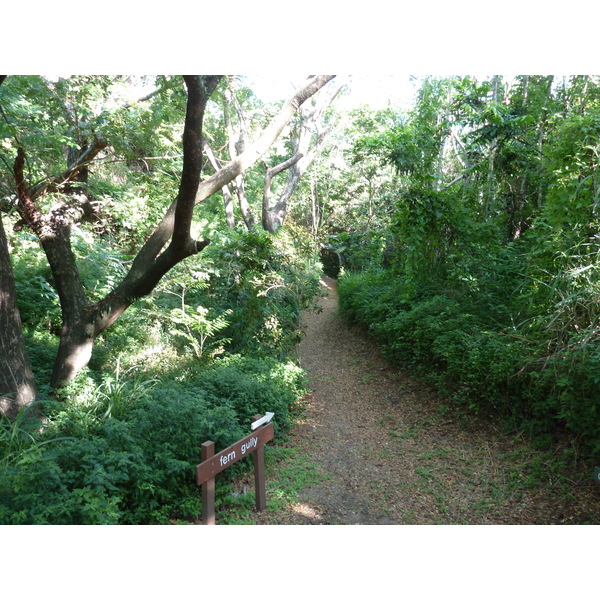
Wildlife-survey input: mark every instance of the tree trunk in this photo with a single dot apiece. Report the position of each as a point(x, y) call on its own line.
point(169, 244)
point(304, 154)
point(247, 215)
point(77, 331)
point(271, 220)
point(225, 191)
point(17, 386)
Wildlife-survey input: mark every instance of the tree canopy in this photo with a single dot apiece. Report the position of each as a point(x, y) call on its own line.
point(58, 129)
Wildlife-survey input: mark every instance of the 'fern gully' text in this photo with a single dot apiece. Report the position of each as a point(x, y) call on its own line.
point(249, 445)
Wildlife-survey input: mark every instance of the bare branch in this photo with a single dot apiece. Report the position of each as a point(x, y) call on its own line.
point(256, 150)
point(83, 160)
point(283, 166)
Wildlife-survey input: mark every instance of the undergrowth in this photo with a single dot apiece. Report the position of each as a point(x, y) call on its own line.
point(195, 361)
point(526, 378)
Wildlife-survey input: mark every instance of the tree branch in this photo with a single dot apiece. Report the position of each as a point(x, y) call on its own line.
point(283, 166)
point(272, 172)
point(83, 160)
point(272, 220)
point(236, 148)
point(254, 152)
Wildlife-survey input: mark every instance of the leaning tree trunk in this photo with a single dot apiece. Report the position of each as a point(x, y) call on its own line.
point(17, 386)
point(168, 245)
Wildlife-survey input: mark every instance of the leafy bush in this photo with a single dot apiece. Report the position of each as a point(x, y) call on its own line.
point(481, 364)
point(136, 470)
point(357, 251)
point(369, 296)
point(126, 451)
point(253, 386)
point(261, 283)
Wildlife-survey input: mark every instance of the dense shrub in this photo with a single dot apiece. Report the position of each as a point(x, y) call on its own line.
point(478, 362)
point(357, 251)
point(90, 468)
point(253, 386)
point(369, 296)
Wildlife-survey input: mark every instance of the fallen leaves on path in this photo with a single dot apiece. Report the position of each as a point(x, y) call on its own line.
point(388, 455)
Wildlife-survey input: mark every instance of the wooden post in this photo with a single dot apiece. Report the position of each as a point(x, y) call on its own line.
point(259, 474)
point(208, 488)
point(215, 463)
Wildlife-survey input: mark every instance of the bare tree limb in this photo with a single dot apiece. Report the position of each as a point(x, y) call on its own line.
point(227, 195)
point(272, 172)
point(272, 219)
point(254, 152)
point(235, 149)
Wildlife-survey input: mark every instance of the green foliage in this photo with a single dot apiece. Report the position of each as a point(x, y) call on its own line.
point(358, 250)
point(122, 447)
point(429, 225)
point(196, 328)
point(467, 227)
point(253, 386)
point(492, 290)
point(263, 283)
point(480, 363)
point(131, 457)
point(121, 444)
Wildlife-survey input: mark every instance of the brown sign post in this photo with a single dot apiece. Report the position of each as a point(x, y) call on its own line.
point(215, 463)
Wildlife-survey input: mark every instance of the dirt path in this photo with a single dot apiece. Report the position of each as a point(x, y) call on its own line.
point(389, 455)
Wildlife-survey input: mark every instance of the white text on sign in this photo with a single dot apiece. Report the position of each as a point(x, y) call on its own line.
point(231, 456)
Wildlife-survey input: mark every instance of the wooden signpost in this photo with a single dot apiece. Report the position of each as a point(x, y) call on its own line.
point(215, 463)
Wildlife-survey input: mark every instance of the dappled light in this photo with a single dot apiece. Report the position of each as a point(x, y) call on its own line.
point(307, 512)
point(408, 286)
point(326, 283)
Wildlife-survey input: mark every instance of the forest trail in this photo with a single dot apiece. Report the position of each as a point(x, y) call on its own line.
point(388, 454)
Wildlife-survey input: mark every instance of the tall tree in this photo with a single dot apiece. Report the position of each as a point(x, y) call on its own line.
point(17, 384)
point(306, 137)
point(311, 132)
point(170, 242)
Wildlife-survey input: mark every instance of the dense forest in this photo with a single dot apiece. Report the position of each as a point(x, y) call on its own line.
point(161, 236)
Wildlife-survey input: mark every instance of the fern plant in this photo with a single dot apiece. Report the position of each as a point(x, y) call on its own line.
point(197, 328)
